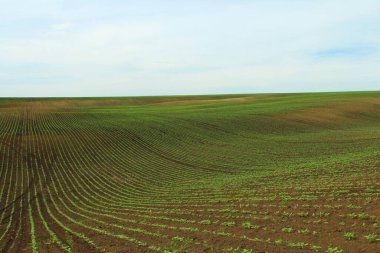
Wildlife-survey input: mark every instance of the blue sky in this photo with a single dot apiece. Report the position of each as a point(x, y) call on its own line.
point(159, 47)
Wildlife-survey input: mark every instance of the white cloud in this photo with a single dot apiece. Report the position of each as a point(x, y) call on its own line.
point(211, 48)
point(60, 27)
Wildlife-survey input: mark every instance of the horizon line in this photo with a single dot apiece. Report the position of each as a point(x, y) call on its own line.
point(203, 94)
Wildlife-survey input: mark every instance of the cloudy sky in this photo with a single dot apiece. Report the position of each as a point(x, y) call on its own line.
point(156, 47)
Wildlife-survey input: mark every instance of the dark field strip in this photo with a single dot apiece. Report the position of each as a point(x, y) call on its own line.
point(234, 173)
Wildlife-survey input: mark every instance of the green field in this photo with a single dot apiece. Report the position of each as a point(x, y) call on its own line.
point(224, 173)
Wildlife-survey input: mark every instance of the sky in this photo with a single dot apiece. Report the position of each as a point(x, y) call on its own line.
point(171, 47)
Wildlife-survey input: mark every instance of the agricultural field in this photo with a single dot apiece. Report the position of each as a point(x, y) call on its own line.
point(226, 173)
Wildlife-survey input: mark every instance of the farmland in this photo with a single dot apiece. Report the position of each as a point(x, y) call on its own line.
point(225, 173)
